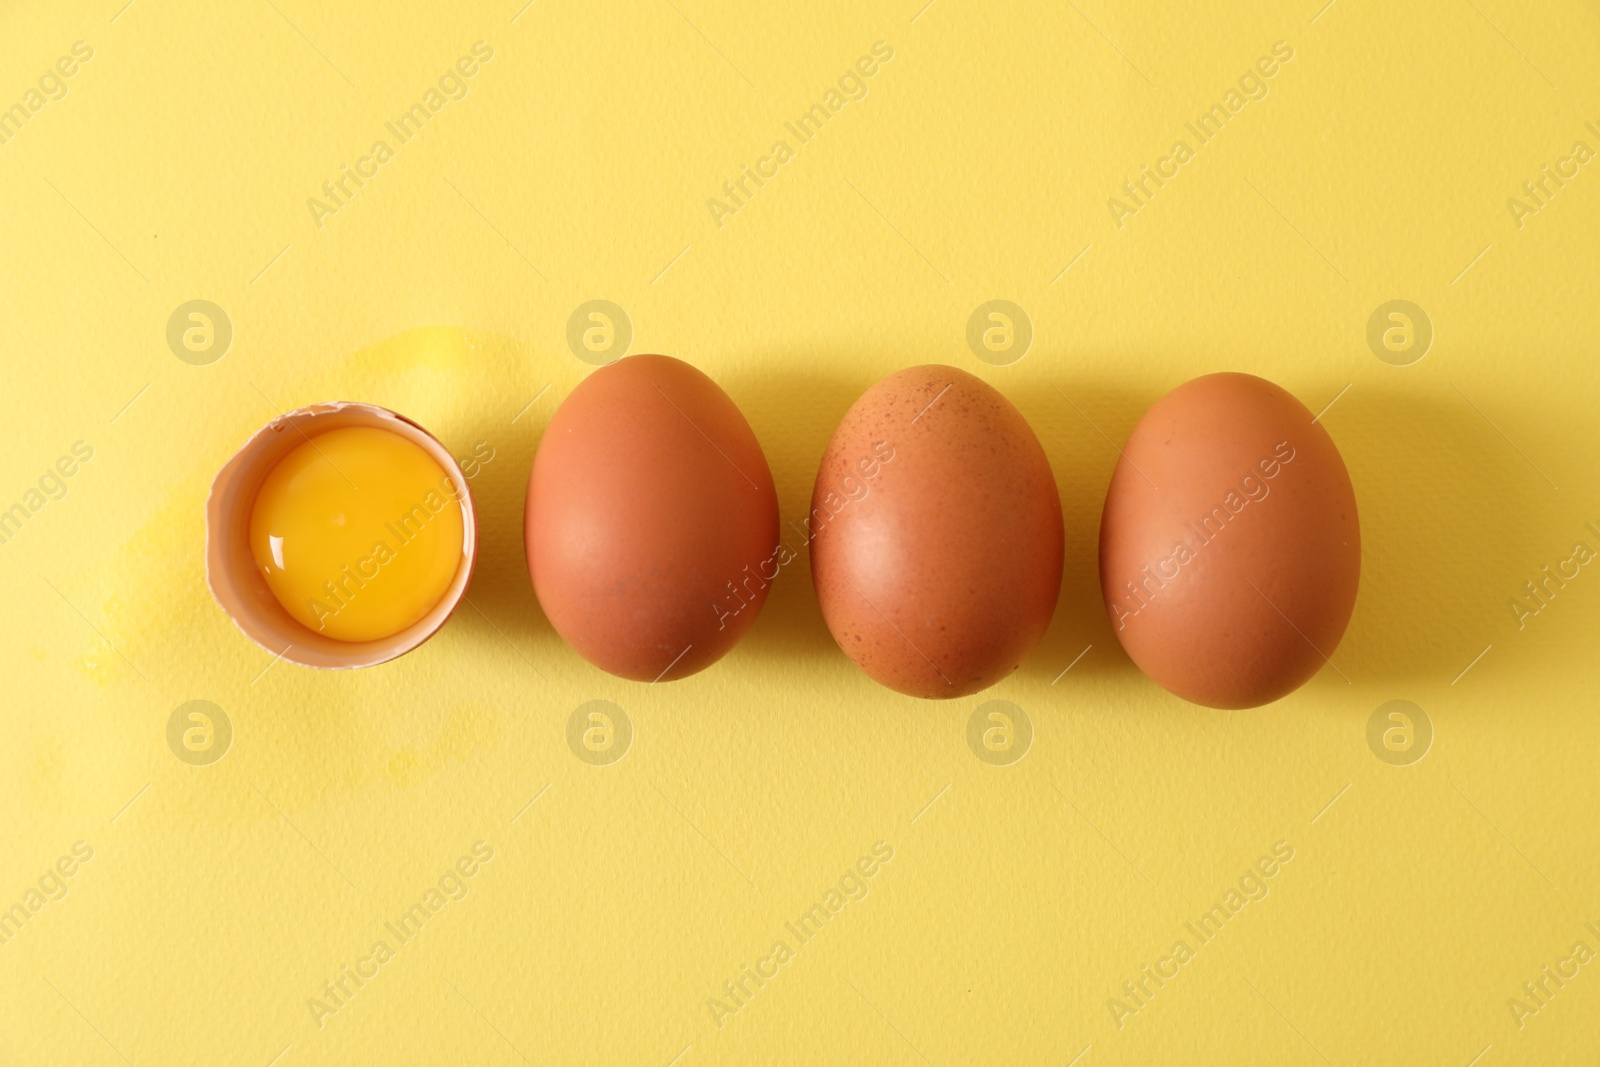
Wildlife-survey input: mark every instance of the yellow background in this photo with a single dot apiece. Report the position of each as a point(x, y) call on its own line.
point(1020, 898)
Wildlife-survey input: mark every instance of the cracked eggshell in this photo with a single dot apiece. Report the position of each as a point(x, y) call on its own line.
point(236, 580)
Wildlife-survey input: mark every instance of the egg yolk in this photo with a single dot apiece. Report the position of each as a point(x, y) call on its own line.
point(358, 532)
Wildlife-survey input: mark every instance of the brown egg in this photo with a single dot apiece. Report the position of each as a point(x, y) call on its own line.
point(1229, 547)
point(936, 534)
point(652, 520)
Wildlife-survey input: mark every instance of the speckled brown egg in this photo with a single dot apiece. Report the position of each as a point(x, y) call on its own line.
point(652, 520)
point(936, 534)
point(1229, 547)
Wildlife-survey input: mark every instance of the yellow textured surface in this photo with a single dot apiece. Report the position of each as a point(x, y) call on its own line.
point(576, 164)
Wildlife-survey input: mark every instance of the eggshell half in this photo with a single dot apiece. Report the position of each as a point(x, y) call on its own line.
point(236, 580)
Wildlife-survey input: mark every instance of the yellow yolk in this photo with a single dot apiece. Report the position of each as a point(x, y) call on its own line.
point(359, 533)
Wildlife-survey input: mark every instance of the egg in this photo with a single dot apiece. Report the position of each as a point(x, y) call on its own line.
point(652, 520)
point(422, 556)
point(1230, 550)
point(936, 534)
